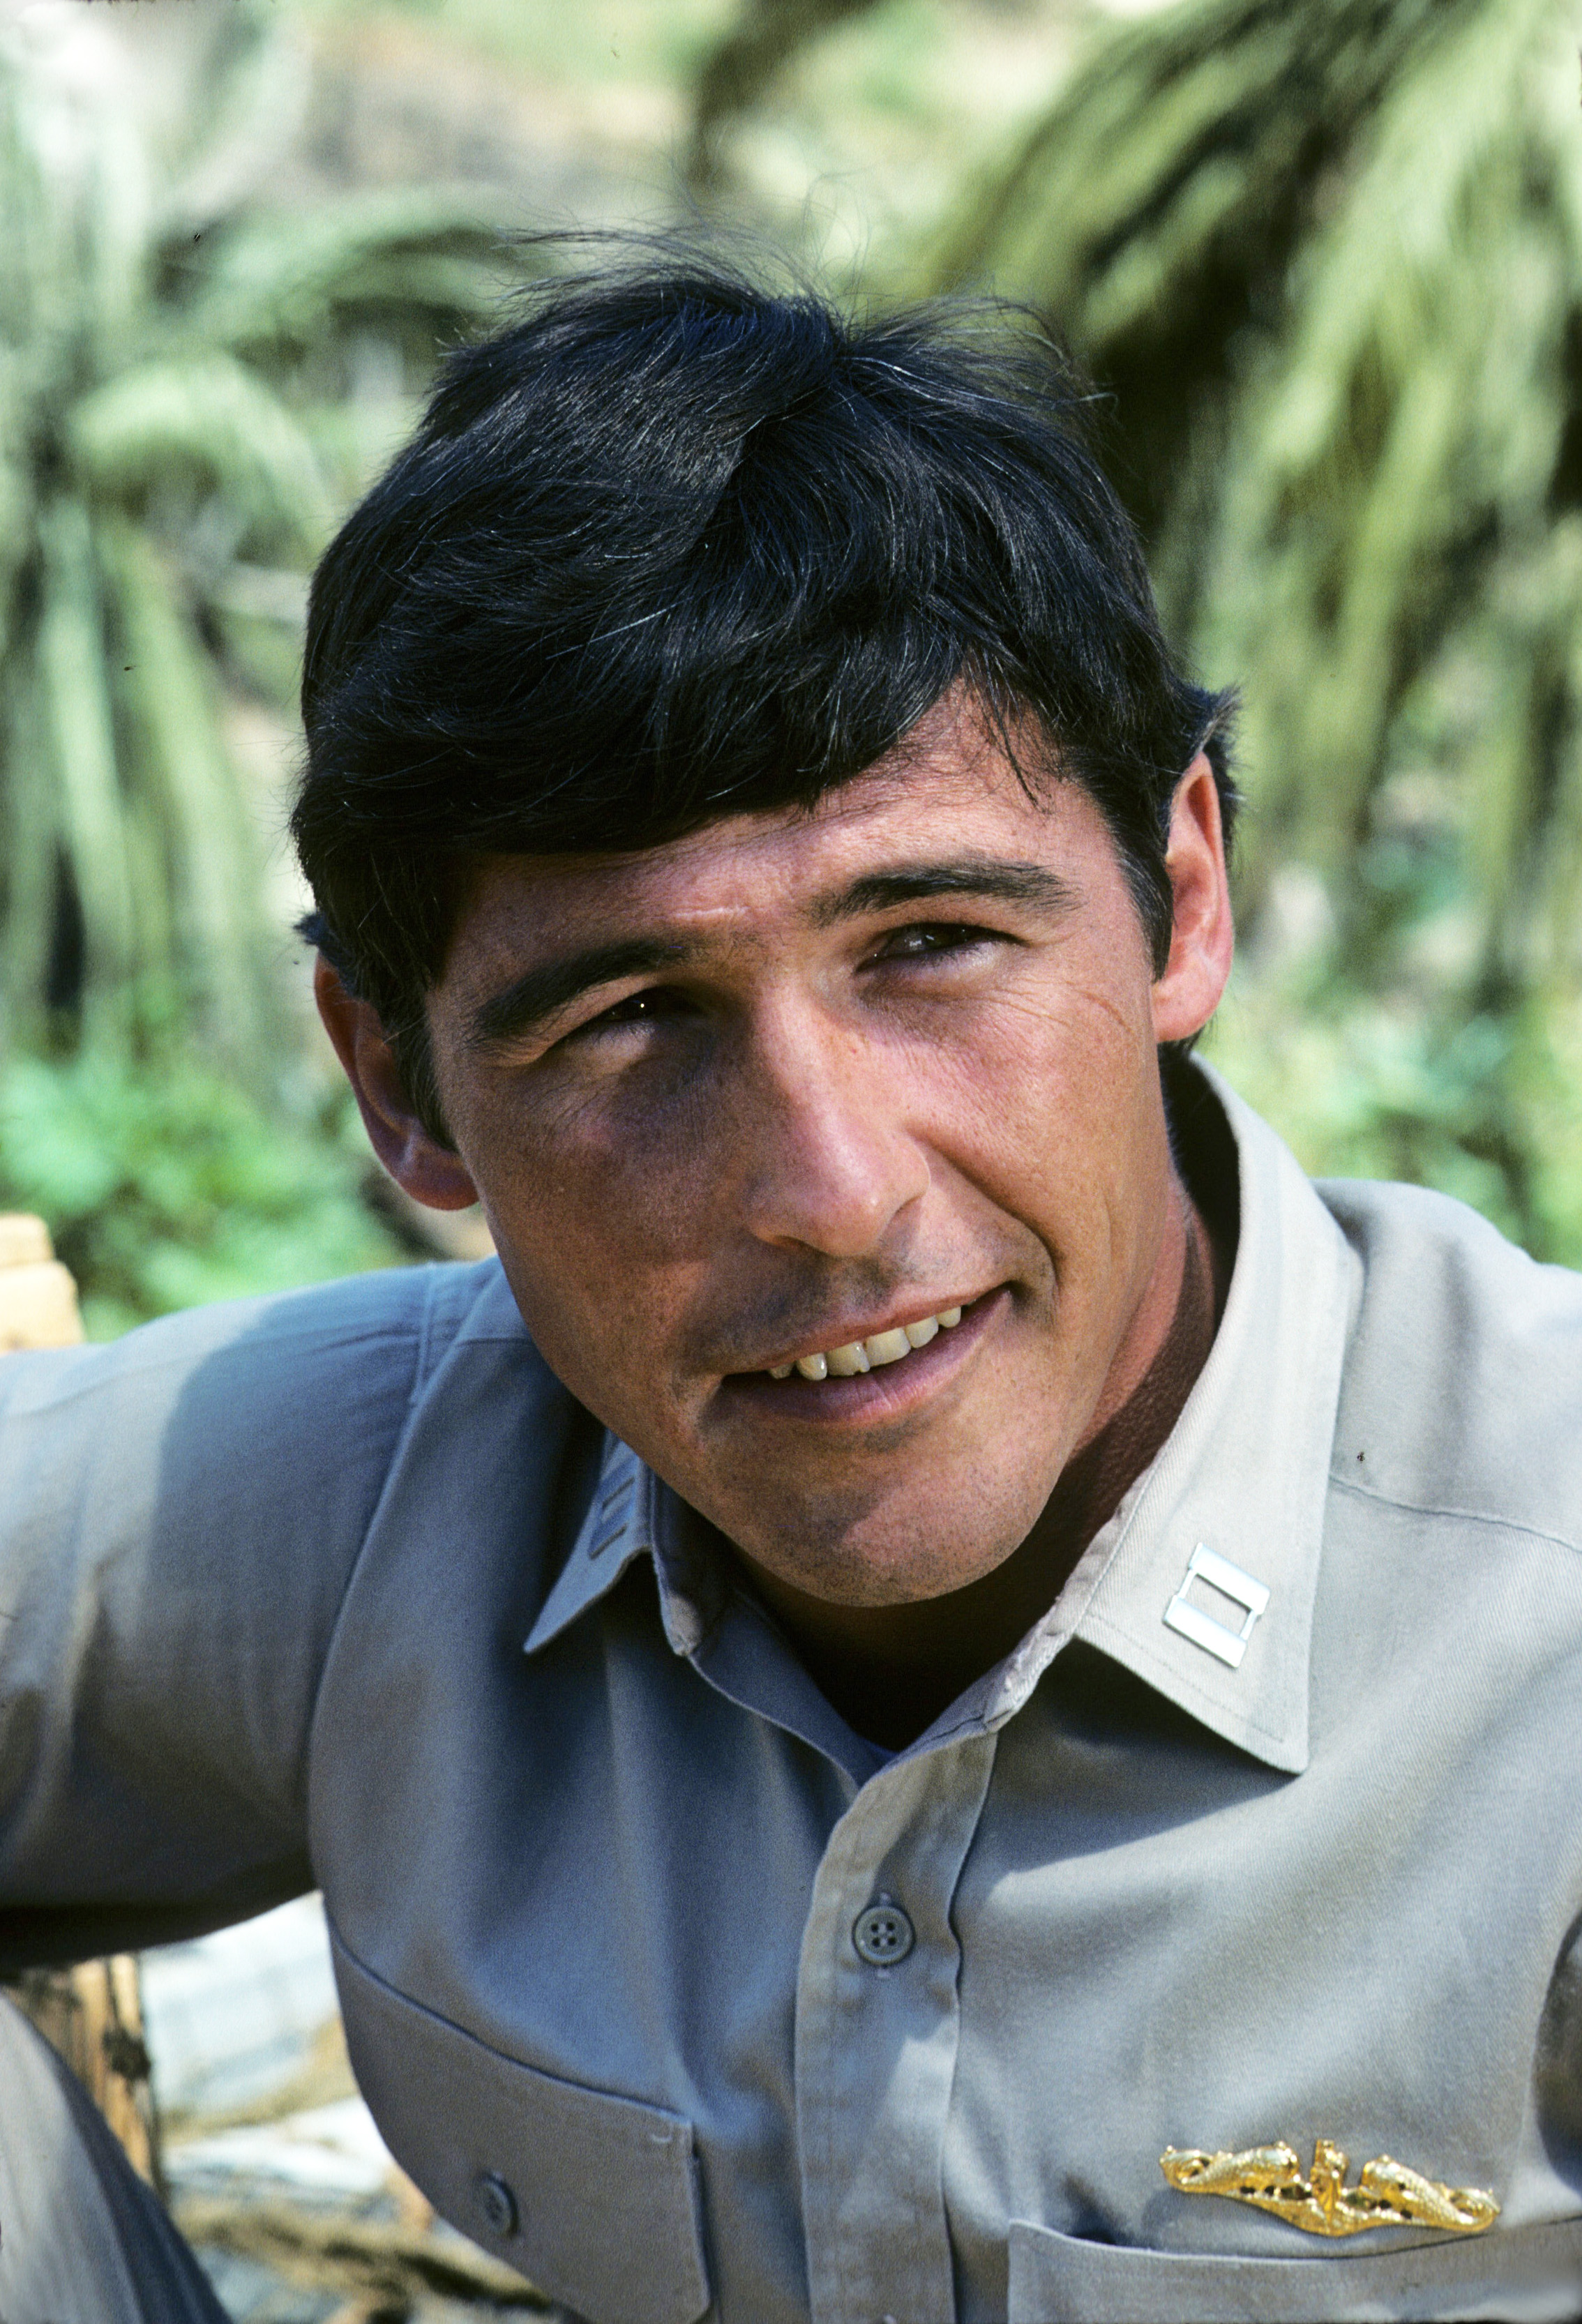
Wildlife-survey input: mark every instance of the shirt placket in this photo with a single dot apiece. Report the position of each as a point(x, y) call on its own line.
point(876, 2035)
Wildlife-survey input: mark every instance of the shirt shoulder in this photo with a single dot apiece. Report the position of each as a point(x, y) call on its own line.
point(251, 1440)
point(195, 1498)
point(397, 1321)
point(1462, 1386)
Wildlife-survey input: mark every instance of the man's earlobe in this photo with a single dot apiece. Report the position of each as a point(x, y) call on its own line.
point(1188, 990)
point(428, 1172)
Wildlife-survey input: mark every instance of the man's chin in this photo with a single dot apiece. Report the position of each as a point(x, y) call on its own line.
point(862, 1565)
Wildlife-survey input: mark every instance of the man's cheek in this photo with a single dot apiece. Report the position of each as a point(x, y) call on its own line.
point(598, 1276)
point(596, 1341)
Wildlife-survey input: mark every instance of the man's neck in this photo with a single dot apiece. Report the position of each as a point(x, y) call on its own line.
point(891, 1670)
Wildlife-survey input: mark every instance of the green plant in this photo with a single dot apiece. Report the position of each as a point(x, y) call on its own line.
point(166, 1186)
point(737, 73)
point(174, 366)
point(1325, 255)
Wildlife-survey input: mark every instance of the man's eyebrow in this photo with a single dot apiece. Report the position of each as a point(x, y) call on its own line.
point(540, 992)
point(988, 876)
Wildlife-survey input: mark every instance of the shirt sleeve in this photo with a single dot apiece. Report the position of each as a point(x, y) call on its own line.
point(180, 1516)
point(1559, 2064)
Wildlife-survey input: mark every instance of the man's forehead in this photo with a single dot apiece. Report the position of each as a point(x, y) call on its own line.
point(740, 873)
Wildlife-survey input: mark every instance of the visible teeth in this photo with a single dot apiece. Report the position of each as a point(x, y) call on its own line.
point(862, 1355)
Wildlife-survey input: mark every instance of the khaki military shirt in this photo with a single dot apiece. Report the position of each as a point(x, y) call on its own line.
point(1269, 1831)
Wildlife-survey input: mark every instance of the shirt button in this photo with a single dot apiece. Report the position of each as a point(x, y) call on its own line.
point(882, 1935)
point(496, 2202)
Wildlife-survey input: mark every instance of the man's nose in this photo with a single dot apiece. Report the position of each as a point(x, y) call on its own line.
point(824, 1160)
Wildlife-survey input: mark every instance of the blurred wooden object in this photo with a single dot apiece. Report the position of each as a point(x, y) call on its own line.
point(38, 1298)
point(92, 2014)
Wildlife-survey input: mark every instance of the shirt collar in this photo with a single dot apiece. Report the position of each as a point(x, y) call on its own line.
point(633, 1514)
point(1241, 1482)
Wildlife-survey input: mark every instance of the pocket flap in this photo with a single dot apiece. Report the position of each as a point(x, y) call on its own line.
point(593, 2197)
point(1533, 2275)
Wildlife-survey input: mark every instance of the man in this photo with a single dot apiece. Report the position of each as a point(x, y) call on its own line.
point(949, 1686)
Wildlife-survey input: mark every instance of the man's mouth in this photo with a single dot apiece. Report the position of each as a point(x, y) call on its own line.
point(854, 1356)
point(873, 1376)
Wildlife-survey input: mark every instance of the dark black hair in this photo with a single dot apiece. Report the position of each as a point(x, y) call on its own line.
point(673, 545)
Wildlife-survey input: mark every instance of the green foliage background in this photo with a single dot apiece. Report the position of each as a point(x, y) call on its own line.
point(165, 1190)
point(179, 424)
point(1323, 259)
point(1325, 255)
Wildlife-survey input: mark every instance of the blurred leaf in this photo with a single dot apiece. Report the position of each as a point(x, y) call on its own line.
point(737, 73)
point(1327, 254)
point(178, 760)
point(160, 497)
point(256, 80)
point(75, 701)
point(164, 1186)
point(286, 281)
point(208, 420)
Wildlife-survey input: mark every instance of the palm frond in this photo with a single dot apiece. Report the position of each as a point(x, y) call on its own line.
point(1327, 256)
point(79, 735)
point(207, 419)
point(29, 862)
point(258, 78)
point(161, 494)
point(1202, 131)
point(281, 281)
point(167, 699)
point(1399, 424)
point(17, 509)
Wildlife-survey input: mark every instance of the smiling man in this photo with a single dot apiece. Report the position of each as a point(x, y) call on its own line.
point(946, 1670)
point(826, 1150)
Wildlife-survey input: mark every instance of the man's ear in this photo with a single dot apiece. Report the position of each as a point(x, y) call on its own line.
point(428, 1172)
point(1187, 991)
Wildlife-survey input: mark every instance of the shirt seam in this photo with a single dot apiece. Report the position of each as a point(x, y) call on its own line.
point(72, 1390)
point(1489, 1517)
point(492, 2049)
point(353, 1564)
point(425, 1333)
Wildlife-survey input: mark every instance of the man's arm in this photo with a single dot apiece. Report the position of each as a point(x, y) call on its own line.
point(1558, 2075)
point(180, 1515)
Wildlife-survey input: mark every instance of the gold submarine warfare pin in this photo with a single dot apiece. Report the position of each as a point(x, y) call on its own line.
point(1386, 2195)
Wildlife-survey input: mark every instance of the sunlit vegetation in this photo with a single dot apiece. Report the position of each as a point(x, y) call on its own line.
point(1322, 257)
point(168, 1188)
point(184, 403)
point(1326, 256)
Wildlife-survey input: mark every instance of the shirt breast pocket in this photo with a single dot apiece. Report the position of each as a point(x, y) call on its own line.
point(1533, 2275)
point(594, 2198)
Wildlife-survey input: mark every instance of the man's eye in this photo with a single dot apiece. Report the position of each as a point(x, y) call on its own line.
point(931, 939)
point(646, 1008)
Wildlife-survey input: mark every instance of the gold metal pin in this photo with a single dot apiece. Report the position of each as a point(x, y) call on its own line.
point(1386, 2195)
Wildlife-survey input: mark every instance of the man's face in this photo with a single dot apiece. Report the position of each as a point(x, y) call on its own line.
point(798, 1081)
